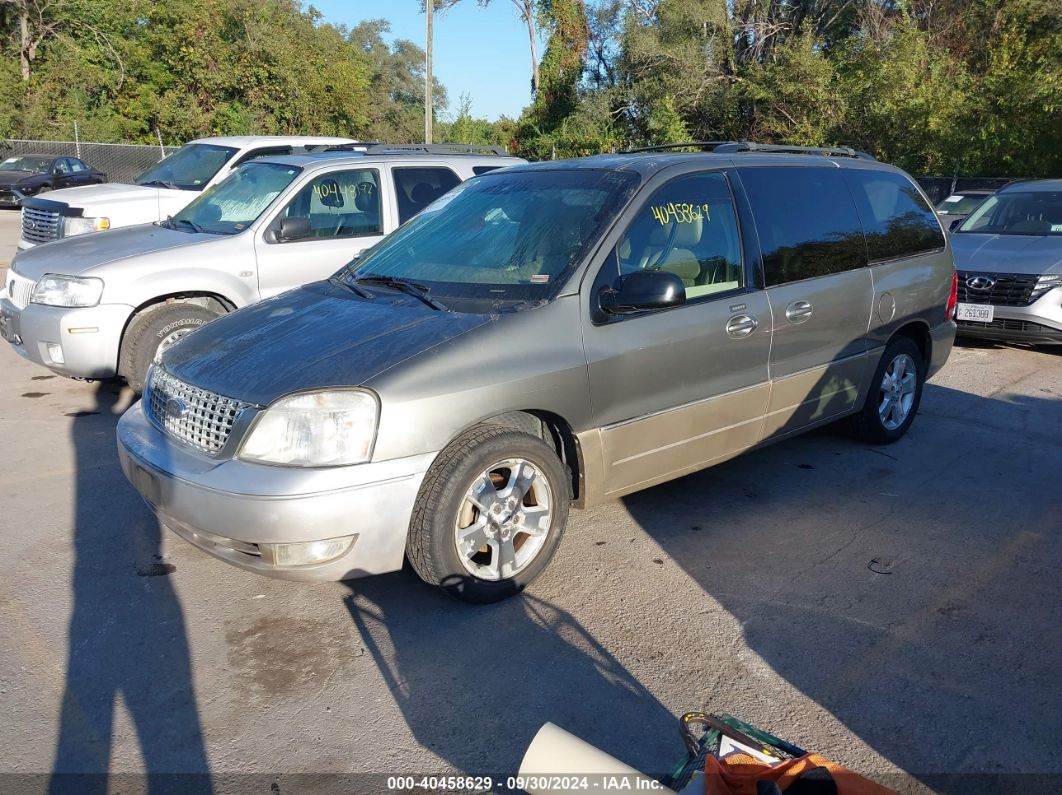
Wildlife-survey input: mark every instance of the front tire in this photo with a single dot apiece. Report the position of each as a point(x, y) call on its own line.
point(894, 396)
point(151, 332)
point(490, 514)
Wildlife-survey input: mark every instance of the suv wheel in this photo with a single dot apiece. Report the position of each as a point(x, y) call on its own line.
point(152, 332)
point(895, 393)
point(489, 515)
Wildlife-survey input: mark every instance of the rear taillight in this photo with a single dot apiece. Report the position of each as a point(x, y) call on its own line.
point(953, 298)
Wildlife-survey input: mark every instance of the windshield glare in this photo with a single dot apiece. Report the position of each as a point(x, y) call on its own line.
point(1031, 213)
point(960, 203)
point(26, 164)
point(189, 168)
point(505, 236)
point(236, 202)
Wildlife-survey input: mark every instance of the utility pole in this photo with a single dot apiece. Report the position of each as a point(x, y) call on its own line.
point(429, 8)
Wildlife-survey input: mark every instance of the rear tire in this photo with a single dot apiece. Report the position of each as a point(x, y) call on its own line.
point(151, 332)
point(894, 396)
point(490, 514)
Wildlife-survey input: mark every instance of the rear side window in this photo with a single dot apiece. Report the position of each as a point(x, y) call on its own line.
point(897, 221)
point(806, 222)
point(416, 188)
point(477, 170)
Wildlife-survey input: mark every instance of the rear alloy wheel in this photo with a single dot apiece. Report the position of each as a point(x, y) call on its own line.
point(894, 396)
point(489, 515)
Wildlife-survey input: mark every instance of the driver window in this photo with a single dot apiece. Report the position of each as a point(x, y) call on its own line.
point(688, 228)
point(61, 167)
point(340, 204)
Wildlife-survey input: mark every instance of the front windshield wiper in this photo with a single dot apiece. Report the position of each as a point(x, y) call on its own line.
point(158, 183)
point(337, 278)
point(402, 285)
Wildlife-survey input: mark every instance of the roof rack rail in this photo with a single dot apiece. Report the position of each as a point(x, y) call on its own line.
point(825, 151)
point(352, 146)
point(708, 145)
point(733, 147)
point(436, 149)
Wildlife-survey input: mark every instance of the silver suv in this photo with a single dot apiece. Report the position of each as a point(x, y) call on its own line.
point(549, 335)
point(1009, 256)
point(96, 306)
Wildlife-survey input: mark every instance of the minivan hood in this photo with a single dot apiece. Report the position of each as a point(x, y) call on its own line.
point(1007, 253)
point(316, 336)
point(82, 253)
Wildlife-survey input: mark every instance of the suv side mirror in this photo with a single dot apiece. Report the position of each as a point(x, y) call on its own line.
point(293, 229)
point(642, 290)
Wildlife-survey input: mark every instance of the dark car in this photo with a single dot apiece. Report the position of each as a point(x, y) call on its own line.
point(30, 175)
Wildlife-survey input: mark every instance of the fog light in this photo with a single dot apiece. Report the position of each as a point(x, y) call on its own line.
point(55, 353)
point(306, 552)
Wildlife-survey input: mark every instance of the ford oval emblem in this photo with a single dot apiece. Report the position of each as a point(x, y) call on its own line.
point(176, 408)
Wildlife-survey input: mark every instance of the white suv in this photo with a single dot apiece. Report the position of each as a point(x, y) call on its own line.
point(97, 306)
point(162, 190)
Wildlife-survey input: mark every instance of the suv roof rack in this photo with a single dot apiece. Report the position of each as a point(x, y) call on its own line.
point(436, 149)
point(733, 147)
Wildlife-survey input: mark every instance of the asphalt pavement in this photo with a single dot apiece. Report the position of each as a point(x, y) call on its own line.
point(894, 608)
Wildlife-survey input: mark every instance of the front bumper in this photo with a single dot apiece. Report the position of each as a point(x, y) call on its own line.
point(229, 507)
point(88, 338)
point(1040, 323)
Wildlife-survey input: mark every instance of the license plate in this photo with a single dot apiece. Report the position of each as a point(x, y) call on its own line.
point(977, 313)
point(7, 327)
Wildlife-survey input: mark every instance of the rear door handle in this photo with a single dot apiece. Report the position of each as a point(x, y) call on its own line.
point(741, 326)
point(798, 311)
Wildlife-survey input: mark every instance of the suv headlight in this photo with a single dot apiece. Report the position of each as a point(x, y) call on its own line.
point(315, 429)
point(70, 291)
point(1049, 282)
point(73, 225)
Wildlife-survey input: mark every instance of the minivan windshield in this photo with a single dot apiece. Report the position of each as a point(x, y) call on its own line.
point(189, 168)
point(504, 236)
point(236, 202)
point(1018, 213)
point(960, 203)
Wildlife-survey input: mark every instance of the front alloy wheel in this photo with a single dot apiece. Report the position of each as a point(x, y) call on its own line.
point(504, 520)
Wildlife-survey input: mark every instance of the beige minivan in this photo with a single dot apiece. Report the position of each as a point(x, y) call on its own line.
point(553, 334)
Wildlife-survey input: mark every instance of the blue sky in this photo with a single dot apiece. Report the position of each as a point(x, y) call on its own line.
point(482, 52)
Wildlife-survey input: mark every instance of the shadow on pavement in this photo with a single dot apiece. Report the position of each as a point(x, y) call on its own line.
point(924, 616)
point(460, 673)
point(127, 641)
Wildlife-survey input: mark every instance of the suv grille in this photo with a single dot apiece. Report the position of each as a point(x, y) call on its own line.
point(39, 226)
point(1009, 289)
point(199, 418)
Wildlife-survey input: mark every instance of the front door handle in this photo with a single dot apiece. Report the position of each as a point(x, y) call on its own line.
point(798, 311)
point(741, 326)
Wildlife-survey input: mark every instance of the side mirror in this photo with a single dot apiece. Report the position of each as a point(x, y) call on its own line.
point(642, 290)
point(293, 229)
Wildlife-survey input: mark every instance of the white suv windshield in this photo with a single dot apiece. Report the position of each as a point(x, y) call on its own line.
point(189, 168)
point(1028, 213)
point(236, 202)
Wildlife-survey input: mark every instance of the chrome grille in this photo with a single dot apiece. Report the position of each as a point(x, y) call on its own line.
point(39, 226)
point(19, 289)
point(191, 415)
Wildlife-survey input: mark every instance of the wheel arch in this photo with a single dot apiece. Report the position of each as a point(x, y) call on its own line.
point(918, 332)
point(555, 431)
point(204, 298)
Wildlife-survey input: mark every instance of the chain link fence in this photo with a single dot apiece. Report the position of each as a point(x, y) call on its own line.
point(120, 162)
point(939, 188)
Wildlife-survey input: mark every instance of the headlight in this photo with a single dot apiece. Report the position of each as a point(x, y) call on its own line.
point(1051, 281)
point(54, 290)
point(72, 225)
point(315, 429)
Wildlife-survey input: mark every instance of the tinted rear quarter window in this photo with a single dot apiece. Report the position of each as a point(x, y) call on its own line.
point(477, 170)
point(416, 188)
point(806, 221)
point(897, 220)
